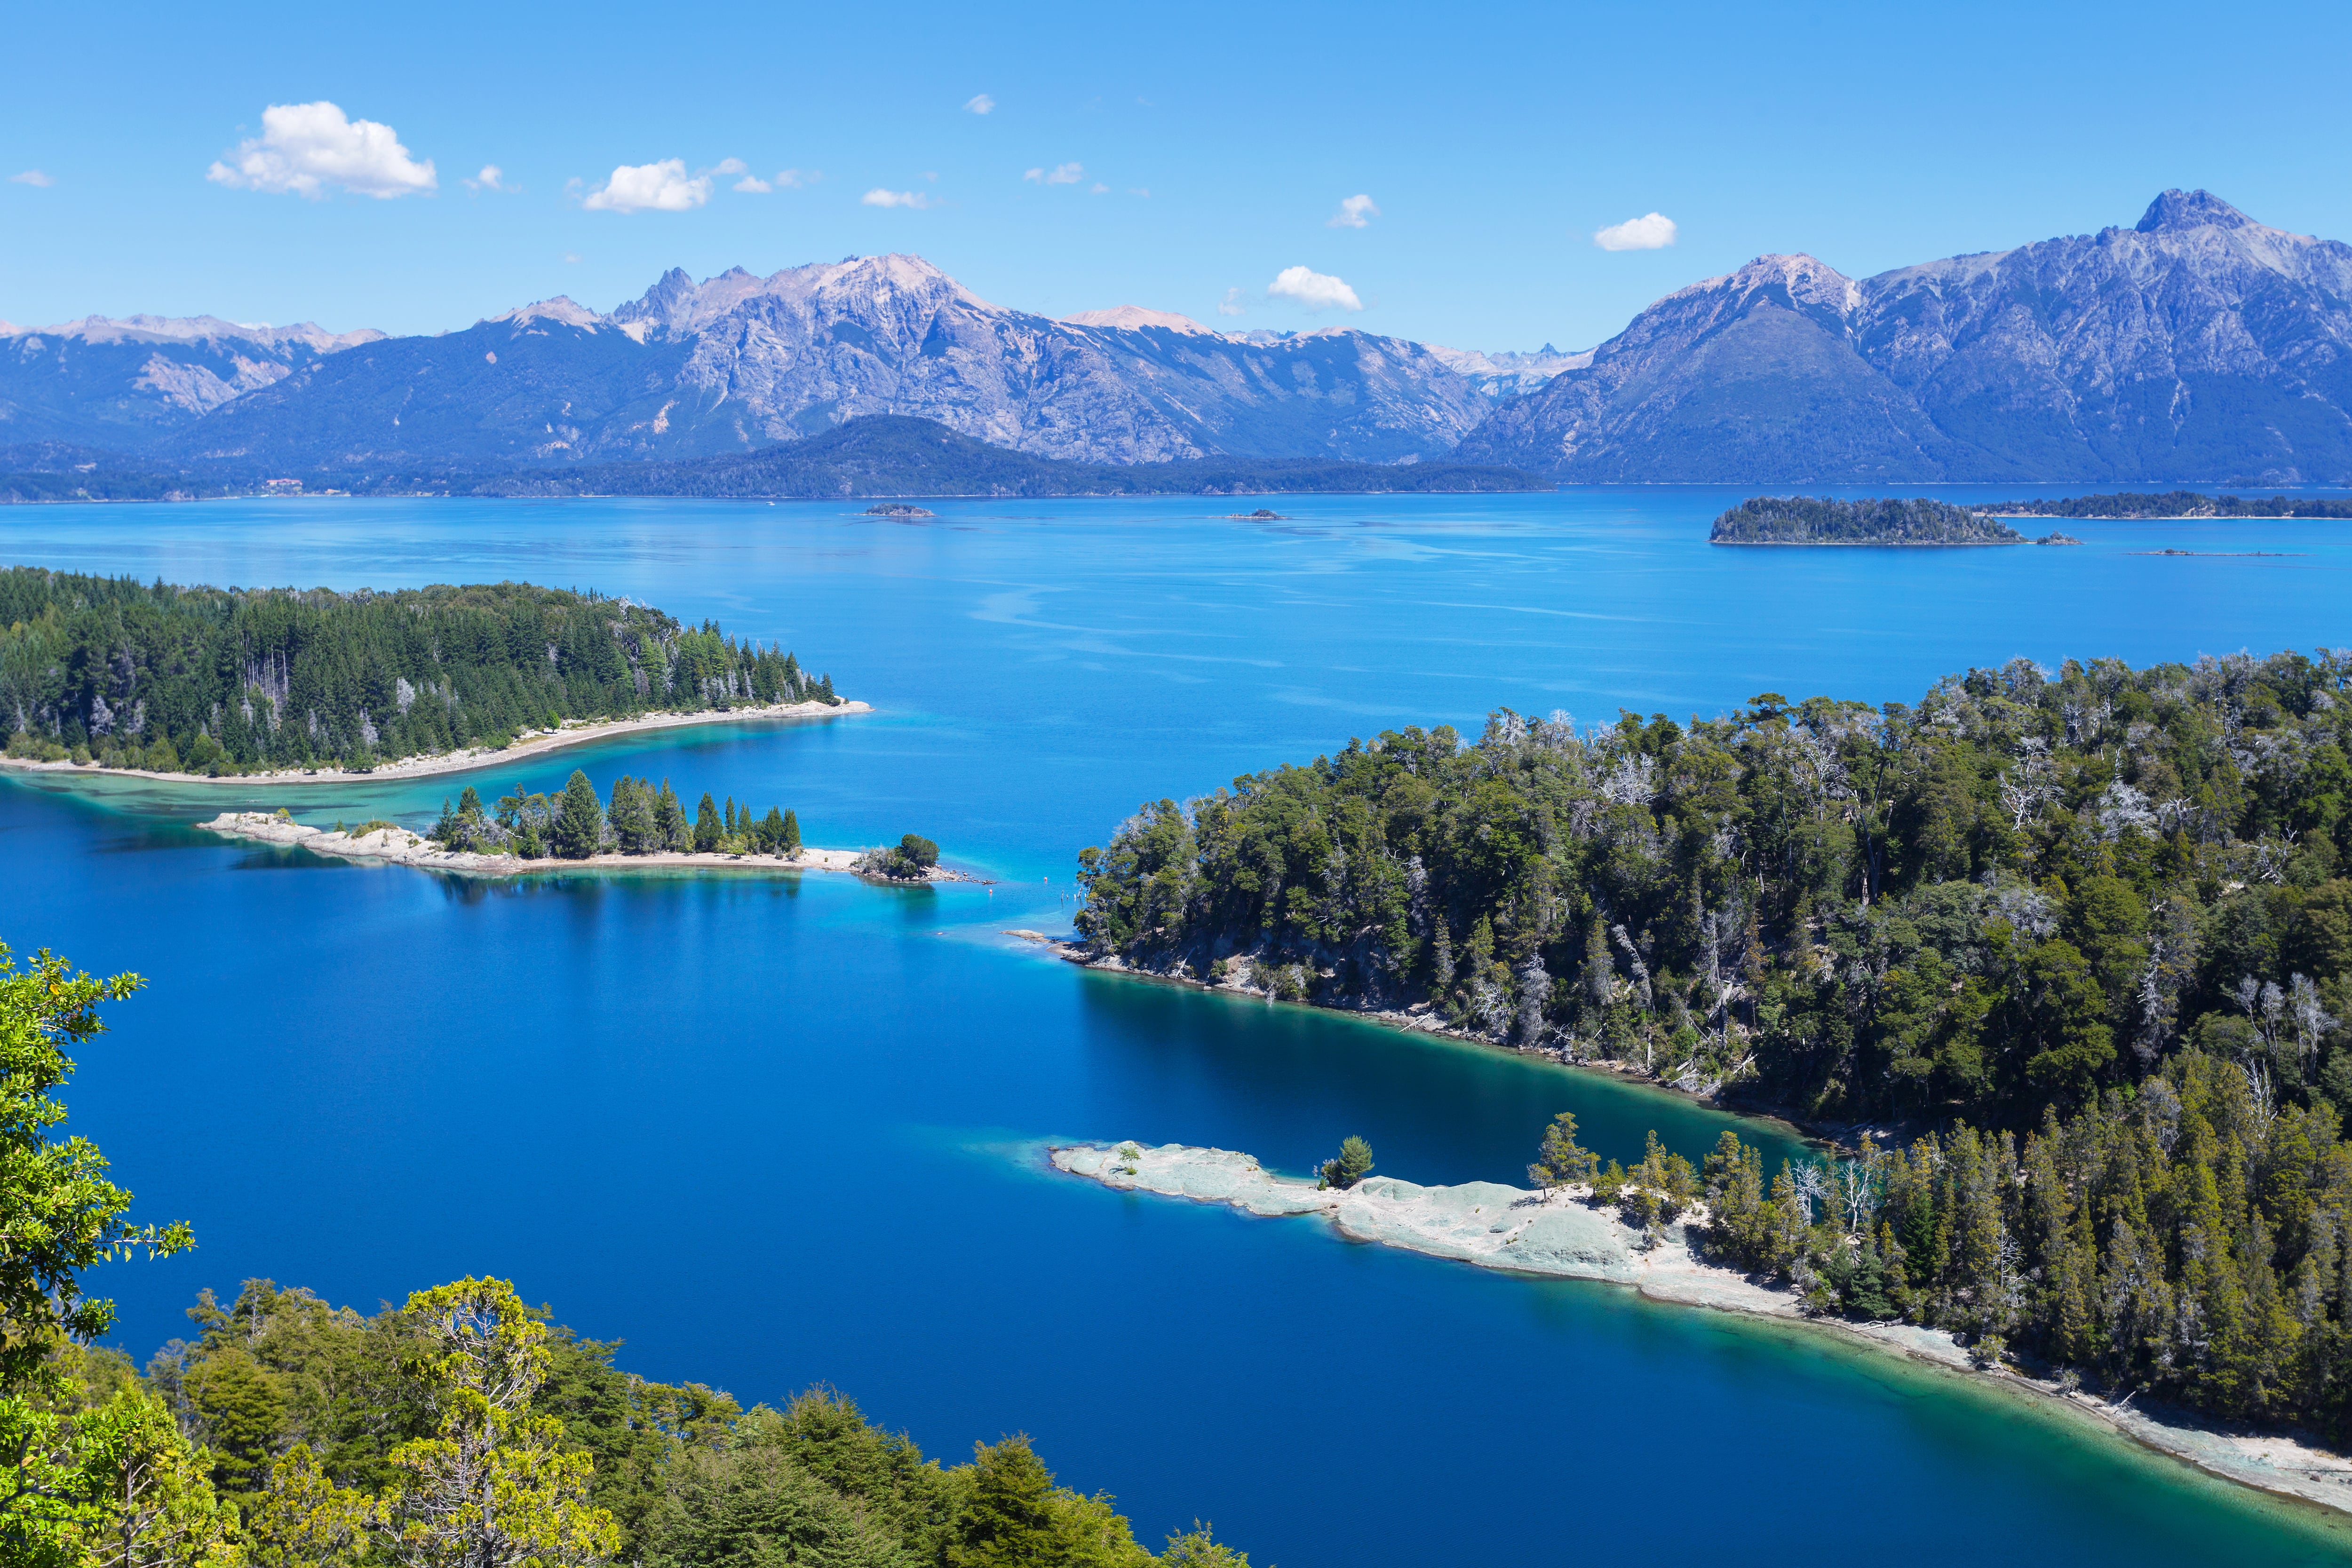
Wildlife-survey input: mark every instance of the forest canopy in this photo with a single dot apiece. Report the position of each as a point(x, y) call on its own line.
point(1807, 520)
point(226, 679)
point(2025, 890)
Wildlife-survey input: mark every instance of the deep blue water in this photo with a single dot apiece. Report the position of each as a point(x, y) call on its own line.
point(773, 1130)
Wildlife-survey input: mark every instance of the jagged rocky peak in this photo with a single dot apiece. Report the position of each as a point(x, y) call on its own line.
point(2177, 209)
point(1132, 316)
point(562, 308)
point(679, 305)
point(1808, 279)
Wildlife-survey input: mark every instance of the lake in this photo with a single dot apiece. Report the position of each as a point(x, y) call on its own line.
point(777, 1130)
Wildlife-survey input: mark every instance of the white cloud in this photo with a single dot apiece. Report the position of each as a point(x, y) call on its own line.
point(753, 185)
point(878, 197)
point(979, 103)
point(491, 178)
point(1355, 213)
point(1100, 189)
point(1314, 290)
point(32, 177)
point(1232, 305)
point(660, 187)
point(304, 148)
point(1060, 174)
point(1652, 233)
point(798, 179)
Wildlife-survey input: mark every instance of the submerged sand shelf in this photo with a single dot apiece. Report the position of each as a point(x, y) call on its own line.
point(1495, 1225)
point(401, 846)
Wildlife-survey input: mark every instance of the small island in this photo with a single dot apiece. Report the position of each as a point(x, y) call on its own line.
point(643, 826)
point(1810, 521)
point(901, 511)
point(1263, 514)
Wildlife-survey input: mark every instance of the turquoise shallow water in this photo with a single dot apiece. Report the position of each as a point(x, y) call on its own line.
point(776, 1130)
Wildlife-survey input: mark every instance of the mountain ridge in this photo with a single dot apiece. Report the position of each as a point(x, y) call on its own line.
point(2197, 343)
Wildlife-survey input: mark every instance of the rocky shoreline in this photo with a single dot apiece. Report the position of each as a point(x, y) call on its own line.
point(531, 743)
point(1494, 1226)
point(400, 846)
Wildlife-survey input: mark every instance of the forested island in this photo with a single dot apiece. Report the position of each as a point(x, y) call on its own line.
point(2174, 504)
point(1810, 521)
point(458, 1429)
point(2078, 943)
point(225, 681)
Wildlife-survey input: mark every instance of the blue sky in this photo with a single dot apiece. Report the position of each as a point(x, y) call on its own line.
point(1494, 142)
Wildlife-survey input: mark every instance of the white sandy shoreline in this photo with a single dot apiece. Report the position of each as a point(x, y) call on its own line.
point(1494, 1226)
point(532, 743)
point(400, 846)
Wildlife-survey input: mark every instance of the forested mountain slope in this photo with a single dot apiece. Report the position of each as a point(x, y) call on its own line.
point(2198, 344)
point(223, 679)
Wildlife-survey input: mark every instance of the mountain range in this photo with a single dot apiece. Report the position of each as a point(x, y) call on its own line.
point(2198, 344)
point(2195, 345)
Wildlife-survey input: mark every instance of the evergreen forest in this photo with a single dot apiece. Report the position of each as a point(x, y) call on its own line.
point(458, 1430)
point(2078, 946)
point(639, 820)
point(116, 673)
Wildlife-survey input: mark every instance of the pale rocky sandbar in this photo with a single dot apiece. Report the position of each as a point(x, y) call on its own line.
point(1495, 1225)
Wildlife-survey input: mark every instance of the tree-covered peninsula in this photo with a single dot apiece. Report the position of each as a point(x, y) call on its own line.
point(1809, 520)
point(2084, 939)
point(2128, 505)
point(458, 1430)
point(219, 681)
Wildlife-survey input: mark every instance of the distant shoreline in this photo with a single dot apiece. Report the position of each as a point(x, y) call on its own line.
point(401, 846)
point(531, 744)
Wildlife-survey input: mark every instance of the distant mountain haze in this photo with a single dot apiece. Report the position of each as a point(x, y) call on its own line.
point(2198, 344)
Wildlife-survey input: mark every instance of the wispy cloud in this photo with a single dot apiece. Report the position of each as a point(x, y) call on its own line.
point(1314, 290)
point(797, 179)
point(753, 185)
point(658, 187)
point(32, 177)
point(1652, 231)
point(1233, 304)
point(1355, 213)
point(304, 148)
point(878, 197)
point(979, 103)
point(491, 178)
point(1060, 174)
point(1138, 189)
point(1099, 189)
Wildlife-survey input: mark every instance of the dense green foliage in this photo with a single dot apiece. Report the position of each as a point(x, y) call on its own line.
point(2021, 892)
point(212, 680)
point(640, 820)
point(2191, 1236)
point(1804, 520)
point(2177, 504)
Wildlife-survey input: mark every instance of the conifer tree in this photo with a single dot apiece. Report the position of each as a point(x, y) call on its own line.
point(707, 825)
point(676, 835)
point(579, 830)
point(792, 843)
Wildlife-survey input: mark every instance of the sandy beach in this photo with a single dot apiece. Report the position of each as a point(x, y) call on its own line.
point(529, 744)
point(400, 846)
point(1494, 1226)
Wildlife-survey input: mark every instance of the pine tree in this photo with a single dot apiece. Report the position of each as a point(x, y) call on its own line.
point(579, 830)
point(772, 831)
point(674, 834)
point(707, 825)
point(792, 843)
point(1559, 1161)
